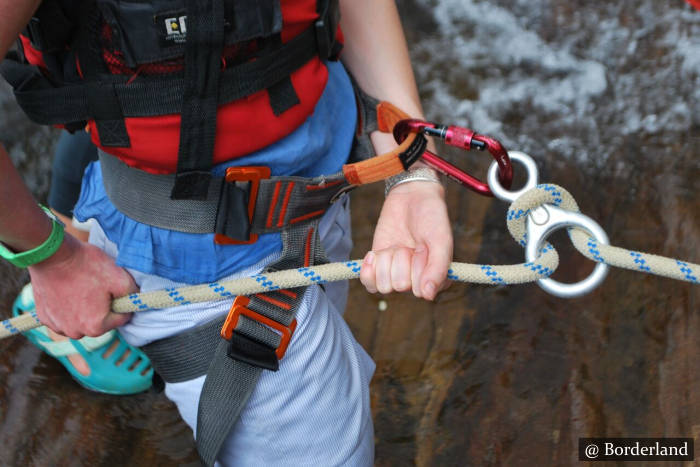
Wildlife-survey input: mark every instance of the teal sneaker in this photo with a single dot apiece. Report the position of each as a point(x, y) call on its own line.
point(117, 373)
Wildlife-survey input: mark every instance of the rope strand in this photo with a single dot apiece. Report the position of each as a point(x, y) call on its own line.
point(522, 273)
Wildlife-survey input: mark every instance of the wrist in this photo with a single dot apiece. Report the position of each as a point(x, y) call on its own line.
point(415, 174)
point(65, 251)
point(39, 253)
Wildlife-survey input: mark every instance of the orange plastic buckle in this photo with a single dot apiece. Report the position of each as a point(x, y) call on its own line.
point(240, 307)
point(245, 174)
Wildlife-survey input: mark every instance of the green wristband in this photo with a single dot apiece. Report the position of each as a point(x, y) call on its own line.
point(40, 253)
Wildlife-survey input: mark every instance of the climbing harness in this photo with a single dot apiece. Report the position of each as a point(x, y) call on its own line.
point(247, 201)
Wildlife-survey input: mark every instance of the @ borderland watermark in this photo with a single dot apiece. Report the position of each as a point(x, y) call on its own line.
point(636, 449)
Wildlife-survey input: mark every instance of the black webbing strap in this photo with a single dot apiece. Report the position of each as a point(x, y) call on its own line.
point(203, 48)
point(105, 108)
point(327, 28)
point(362, 147)
point(233, 367)
point(282, 94)
point(102, 101)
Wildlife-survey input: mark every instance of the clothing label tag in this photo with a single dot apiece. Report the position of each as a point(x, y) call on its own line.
point(173, 28)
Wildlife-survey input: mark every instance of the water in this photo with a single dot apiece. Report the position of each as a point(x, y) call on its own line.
point(605, 97)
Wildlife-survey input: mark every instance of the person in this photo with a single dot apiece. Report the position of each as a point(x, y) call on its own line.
point(96, 363)
point(315, 407)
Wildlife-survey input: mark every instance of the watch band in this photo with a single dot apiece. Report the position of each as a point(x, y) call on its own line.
point(40, 253)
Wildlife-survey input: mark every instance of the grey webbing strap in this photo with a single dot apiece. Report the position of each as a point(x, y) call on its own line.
point(362, 148)
point(281, 201)
point(185, 356)
point(230, 382)
point(145, 197)
point(226, 391)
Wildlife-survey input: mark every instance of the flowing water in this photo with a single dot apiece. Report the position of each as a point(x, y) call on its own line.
point(606, 97)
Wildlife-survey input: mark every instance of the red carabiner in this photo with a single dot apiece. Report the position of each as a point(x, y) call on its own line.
point(463, 138)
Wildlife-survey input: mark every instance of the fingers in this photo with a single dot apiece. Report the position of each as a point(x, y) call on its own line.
point(387, 270)
point(76, 302)
point(400, 269)
point(368, 273)
point(125, 284)
point(422, 270)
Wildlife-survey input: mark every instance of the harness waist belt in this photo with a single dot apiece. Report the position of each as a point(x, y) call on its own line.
point(277, 202)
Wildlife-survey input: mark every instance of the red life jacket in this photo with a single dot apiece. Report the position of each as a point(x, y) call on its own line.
point(122, 69)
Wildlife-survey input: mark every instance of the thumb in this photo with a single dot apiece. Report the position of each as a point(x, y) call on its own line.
point(124, 284)
point(435, 272)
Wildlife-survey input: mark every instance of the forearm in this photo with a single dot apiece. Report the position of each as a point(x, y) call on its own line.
point(375, 52)
point(14, 15)
point(23, 225)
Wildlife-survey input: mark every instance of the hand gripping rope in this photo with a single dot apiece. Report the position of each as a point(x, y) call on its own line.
point(535, 212)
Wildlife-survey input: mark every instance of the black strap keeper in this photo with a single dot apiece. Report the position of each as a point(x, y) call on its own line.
point(232, 215)
point(413, 152)
point(191, 185)
point(33, 32)
point(252, 352)
point(106, 110)
point(283, 96)
point(158, 385)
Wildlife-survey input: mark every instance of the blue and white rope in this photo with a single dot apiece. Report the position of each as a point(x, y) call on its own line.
point(480, 274)
point(589, 246)
point(544, 266)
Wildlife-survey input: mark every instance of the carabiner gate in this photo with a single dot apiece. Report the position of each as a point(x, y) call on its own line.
point(463, 138)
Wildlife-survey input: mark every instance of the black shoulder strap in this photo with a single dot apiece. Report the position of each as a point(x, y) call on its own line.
point(203, 49)
point(101, 96)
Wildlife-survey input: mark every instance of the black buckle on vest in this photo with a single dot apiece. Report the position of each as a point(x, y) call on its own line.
point(234, 218)
point(248, 350)
point(35, 35)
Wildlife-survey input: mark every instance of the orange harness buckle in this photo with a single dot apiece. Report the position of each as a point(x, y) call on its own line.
point(245, 174)
point(240, 307)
